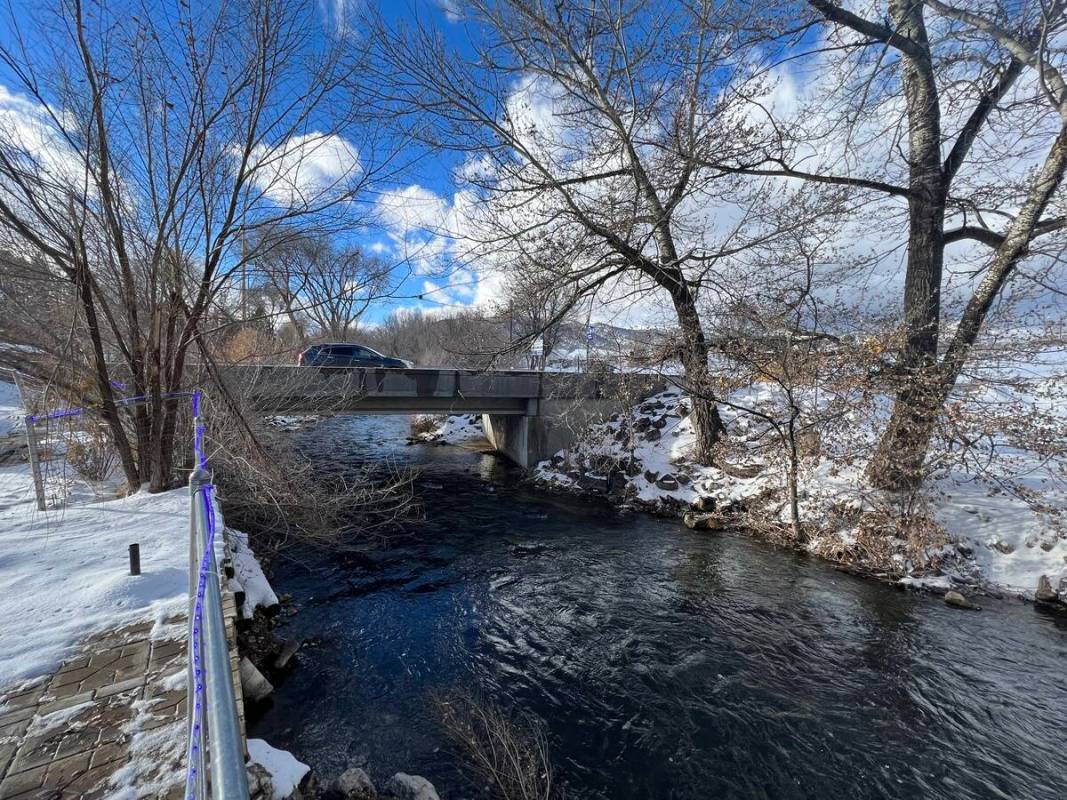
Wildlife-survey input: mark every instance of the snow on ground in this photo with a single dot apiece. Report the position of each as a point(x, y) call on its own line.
point(285, 771)
point(66, 572)
point(993, 537)
point(454, 429)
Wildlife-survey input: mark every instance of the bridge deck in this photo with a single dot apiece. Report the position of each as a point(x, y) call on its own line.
point(270, 388)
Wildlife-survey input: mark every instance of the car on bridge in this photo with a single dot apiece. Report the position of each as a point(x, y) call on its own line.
point(346, 354)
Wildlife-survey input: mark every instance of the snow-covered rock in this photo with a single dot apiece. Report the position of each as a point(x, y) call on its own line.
point(287, 422)
point(286, 773)
point(249, 575)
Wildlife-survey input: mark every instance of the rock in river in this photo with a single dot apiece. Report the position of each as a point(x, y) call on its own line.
point(700, 521)
point(285, 656)
point(355, 784)
point(411, 787)
point(956, 599)
point(1045, 593)
point(704, 503)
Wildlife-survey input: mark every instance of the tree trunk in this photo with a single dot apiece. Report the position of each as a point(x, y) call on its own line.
point(707, 424)
point(898, 460)
point(109, 411)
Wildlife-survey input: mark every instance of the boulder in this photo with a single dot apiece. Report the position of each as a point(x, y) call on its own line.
point(659, 423)
point(254, 685)
point(701, 521)
point(704, 503)
point(653, 434)
point(668, 483)
point(651, 476)
point(355, 784)
point(260, 783)
point(683, 478)
point(642, 424)
point(957, 600)
point(741, 470)
point(1045, 593)
point(411, 787)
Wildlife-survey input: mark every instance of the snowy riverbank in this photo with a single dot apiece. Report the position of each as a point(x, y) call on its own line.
point(454, 429)
point(973, 533)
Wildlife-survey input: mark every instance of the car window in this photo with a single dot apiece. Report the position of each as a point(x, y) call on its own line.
point(364, 352)
point(343, 351)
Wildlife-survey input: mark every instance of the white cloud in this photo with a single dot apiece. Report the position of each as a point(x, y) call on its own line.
point(413, 209)
point(29, 126)
point(305, 170)
point(452, 9)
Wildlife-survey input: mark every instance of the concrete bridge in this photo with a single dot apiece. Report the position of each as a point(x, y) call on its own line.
point(527, 415)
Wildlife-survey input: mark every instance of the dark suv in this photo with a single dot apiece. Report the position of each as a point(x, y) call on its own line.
point(346, 355)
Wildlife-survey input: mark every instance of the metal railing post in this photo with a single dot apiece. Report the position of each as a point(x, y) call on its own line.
point(35, 460)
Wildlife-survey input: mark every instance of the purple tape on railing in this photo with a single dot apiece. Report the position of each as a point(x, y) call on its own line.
point(58, 414)
point(74, 412)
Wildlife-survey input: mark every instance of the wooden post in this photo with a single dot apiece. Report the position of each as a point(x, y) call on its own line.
point(35, 461)
point(135, 559)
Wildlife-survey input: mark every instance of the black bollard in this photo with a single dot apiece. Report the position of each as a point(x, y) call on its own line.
point(135, 559)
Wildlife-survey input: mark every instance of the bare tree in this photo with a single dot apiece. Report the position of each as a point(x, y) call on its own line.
point(537, 300)
point(145, 151)
point(981, 98)
point(466, 338)
point(590, 123)
point(324, 288)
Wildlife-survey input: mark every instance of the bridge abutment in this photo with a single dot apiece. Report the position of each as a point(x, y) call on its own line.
point(552, 425)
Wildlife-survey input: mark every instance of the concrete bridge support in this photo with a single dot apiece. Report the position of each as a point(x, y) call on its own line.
point(550, 426)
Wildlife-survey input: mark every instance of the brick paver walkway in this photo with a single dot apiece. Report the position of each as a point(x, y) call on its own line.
point(112, 717)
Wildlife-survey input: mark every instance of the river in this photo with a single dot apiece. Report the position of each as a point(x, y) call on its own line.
point(663, 663)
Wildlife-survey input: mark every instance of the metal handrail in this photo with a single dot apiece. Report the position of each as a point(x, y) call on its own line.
point(216, 756)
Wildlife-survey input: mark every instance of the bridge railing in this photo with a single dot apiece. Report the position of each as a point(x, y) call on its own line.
point(215, 753)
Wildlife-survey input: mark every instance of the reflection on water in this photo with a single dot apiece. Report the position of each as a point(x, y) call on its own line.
point(665, 663)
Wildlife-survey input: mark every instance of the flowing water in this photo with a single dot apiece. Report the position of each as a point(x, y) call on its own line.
point(662, 663)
